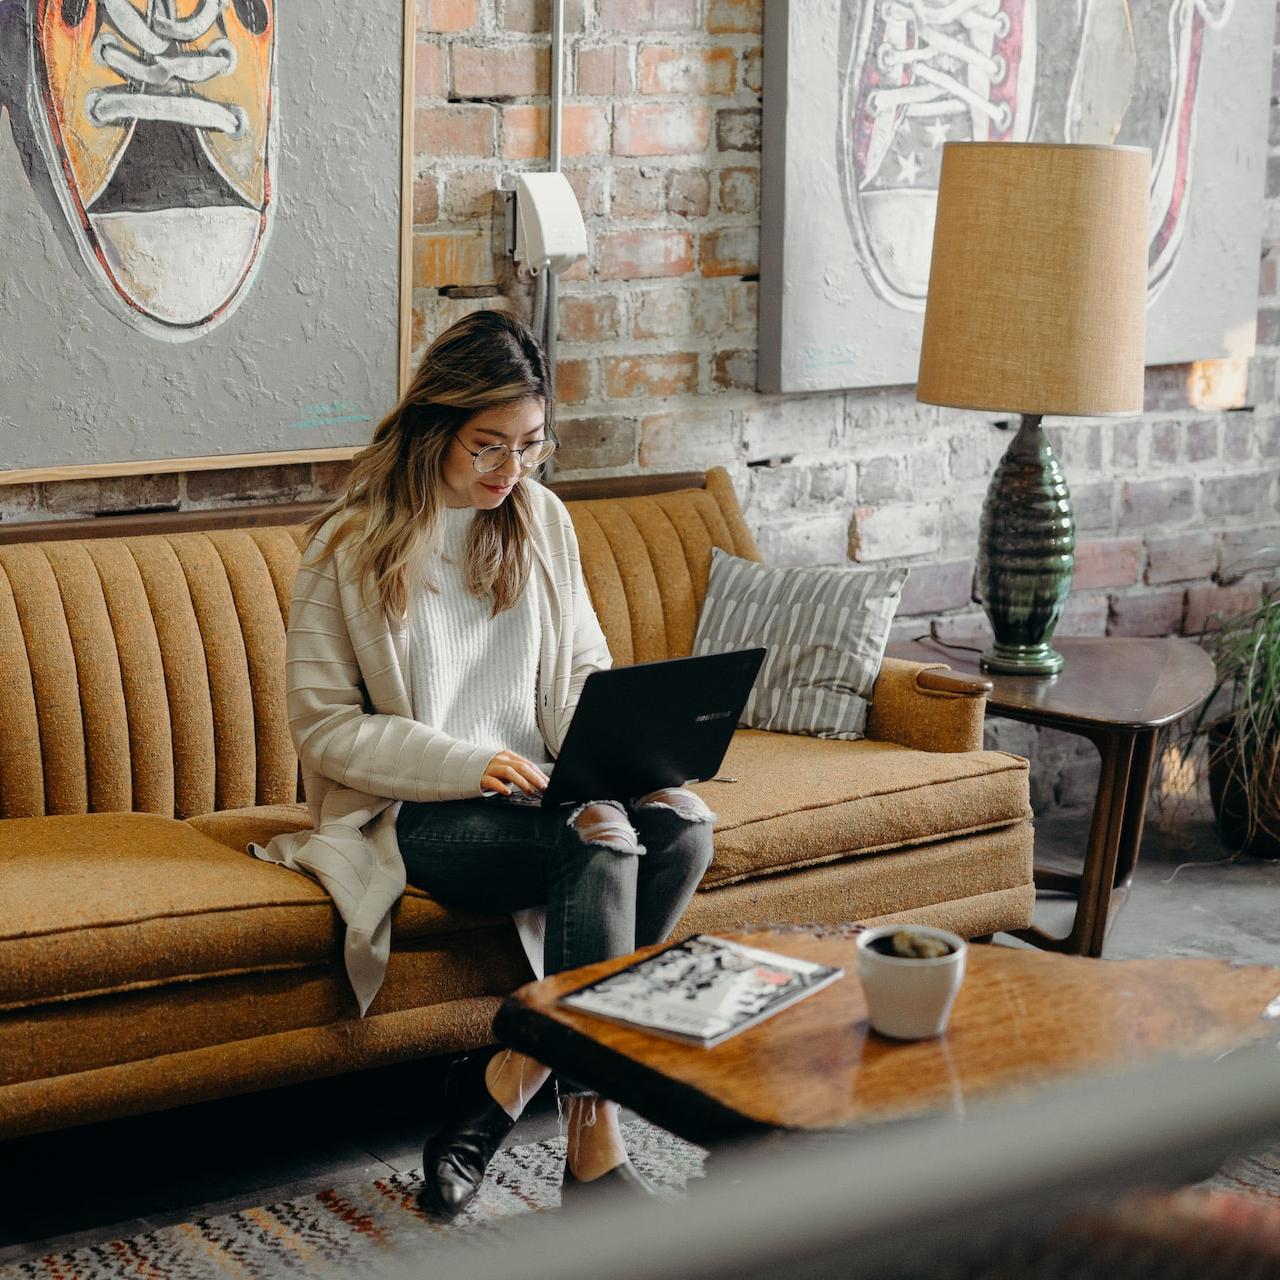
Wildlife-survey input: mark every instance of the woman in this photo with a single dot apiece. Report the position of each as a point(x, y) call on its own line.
point(439, 638)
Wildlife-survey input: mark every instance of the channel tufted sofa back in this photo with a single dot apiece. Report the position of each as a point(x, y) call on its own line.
point(646, 561)
point(146, 673)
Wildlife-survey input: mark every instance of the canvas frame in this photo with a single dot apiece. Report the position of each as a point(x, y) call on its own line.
point(335, 453)
point(845, 242)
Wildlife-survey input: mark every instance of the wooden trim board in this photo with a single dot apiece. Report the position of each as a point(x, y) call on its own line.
point(626, 486)
point(279, 458)
point(137, 524)
point(163, 466)
point(266, 514)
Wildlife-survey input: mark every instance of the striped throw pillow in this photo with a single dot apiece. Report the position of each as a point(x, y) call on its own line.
point(825, 629)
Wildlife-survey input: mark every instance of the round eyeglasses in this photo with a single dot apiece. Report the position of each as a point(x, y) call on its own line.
point(493, 456)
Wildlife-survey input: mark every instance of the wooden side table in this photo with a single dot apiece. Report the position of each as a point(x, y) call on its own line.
point(1118, 692)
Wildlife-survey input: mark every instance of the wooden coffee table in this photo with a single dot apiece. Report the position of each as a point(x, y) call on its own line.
point(1023, 1019)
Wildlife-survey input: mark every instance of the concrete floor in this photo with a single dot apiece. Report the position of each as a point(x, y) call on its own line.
point(1187, 898)
point(100, 1182)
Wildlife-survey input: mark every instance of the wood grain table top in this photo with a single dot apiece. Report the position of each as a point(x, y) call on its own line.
point(1023, 1019)
point(1121, 681)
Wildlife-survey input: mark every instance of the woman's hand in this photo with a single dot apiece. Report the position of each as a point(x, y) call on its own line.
point(507, 770)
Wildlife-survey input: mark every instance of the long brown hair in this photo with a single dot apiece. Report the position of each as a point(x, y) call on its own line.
point(393, 502)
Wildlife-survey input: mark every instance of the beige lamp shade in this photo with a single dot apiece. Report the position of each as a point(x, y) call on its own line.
point(1038, 284)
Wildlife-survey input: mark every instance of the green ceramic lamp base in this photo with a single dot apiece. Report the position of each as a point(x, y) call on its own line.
point(1026, 552)
point(1022, 660)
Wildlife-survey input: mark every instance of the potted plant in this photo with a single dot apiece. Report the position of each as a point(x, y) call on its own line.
point(1240, 724)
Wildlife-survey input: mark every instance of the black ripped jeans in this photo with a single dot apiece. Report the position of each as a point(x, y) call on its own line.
point(608, 888)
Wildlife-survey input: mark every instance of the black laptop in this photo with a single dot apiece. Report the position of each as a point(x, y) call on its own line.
point(655, 724)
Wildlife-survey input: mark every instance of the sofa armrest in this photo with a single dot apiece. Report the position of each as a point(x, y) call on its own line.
point(927, 706)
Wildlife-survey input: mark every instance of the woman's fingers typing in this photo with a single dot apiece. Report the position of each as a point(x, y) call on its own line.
point(507, 769)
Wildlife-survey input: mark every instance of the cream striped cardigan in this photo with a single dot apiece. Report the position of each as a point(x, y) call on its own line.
point(351, 718)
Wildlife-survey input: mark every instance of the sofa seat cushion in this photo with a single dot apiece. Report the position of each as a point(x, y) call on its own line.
point(800, 801)
point(418, 912)
point(107, 902)
point(256, 824)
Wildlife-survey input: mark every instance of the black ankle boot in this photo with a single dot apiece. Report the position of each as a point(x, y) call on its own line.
point(455, 1158)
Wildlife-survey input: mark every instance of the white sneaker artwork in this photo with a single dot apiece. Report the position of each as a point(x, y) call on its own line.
point(917, 75)
point(1153, 51)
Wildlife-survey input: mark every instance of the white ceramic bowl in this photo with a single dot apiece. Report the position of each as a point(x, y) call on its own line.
point(910, 999)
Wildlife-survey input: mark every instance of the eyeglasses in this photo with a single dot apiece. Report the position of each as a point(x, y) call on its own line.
point(493, 456)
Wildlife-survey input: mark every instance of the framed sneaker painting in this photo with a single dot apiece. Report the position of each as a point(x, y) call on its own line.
point(203, 215)
point(862, 95)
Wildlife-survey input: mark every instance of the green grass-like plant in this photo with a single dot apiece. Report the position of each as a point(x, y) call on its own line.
point(1243, 739)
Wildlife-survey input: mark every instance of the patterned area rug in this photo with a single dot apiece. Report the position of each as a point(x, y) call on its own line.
point(1256, 1175)
point(333, 1232)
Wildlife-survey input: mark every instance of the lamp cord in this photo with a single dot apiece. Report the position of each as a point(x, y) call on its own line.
point(946, 644)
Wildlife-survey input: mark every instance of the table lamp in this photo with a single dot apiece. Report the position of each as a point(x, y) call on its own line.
point(1036, 305)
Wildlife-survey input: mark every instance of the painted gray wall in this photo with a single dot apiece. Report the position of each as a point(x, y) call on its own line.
point(315, 341)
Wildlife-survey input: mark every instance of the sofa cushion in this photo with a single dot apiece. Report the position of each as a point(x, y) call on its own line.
point(799, 801)
point(824, 629)
point(260, 823)
point(256, 824)
point(64, 1037)
point(110, 902)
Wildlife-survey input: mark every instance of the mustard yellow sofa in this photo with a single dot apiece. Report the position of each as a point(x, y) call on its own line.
point(147, 960)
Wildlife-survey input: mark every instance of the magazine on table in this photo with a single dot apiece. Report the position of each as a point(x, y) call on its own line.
point(702, 990)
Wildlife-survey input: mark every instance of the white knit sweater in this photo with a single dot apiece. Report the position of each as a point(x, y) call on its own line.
point(473, 675)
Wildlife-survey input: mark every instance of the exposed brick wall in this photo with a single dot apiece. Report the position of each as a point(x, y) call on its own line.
point(658, 343)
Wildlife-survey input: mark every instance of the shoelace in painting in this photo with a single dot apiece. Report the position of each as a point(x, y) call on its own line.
point(942, 31)
point(147, 52)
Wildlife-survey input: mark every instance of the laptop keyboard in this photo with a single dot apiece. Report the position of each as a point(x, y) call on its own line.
point(519, 797)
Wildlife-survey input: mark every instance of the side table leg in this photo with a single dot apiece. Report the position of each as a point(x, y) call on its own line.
point(1135, 814)
point(1135, 807)
point(1103, 852)
point(1105, 834)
